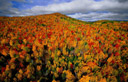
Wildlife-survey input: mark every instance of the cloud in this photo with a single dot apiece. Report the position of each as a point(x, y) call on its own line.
point(93, 16)
point(6, 7)
point(83, 6)
point(117, 9)
point(66, 7)
point(122, 0)
point(80, 9)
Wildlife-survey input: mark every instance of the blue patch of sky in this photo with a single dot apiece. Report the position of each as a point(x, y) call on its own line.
point(15, 4)
point(98, 0)
point(20, 5)
point(29, 4)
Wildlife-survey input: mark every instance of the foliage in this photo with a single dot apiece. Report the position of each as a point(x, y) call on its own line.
point(55, 48)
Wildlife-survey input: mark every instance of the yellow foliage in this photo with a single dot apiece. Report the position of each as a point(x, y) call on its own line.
point(108, 69)
point(91, 64)
point(52, 55)
point(57, 69)
point(11, 42)
point(58, 52)
point(11, 52)
point(19, 76)
point(56, 74)
point(85, 56)
point(25, 41)
point(38, 67)
point(69, 75)
point(4, 52)
point(103, 80)
point(54, 81)
point(64, 51)
point(21, 71)
point(7, 67)
point(33, 48)
point(3, 41)
point(84, 69)
point(37, 43)
point(81, 43)
point(110, 59)
point(102, 55)
point(85, 79)
point(74, 43)
point(13, 66)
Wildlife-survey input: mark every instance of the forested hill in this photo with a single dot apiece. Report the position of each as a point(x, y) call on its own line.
point(55, 47)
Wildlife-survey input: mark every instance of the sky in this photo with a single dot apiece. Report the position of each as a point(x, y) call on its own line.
point(86, 10)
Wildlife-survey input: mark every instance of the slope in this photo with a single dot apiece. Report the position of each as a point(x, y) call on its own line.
point(55, 47)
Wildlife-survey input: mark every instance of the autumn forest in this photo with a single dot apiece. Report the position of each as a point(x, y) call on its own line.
point(58, 48)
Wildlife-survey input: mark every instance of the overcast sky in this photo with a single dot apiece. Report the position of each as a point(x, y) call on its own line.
point(86, 10)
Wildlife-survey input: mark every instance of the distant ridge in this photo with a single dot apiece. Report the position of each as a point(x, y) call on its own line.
point(61, 16)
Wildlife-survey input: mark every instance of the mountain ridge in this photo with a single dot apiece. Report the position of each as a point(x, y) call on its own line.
point(58, 14)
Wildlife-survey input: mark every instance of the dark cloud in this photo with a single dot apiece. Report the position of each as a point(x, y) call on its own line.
point(122, 0)
point(93, 16)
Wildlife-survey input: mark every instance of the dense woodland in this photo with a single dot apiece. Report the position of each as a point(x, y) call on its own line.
point(57, 48)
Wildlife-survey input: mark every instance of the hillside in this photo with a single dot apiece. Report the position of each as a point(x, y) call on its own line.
point(55, 47)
